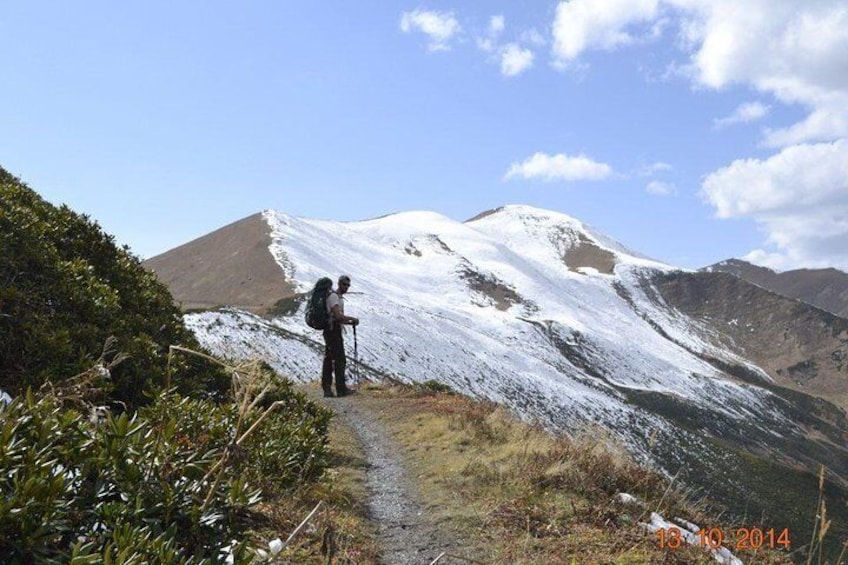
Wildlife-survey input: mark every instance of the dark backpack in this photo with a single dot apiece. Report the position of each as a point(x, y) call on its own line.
point(317, 316)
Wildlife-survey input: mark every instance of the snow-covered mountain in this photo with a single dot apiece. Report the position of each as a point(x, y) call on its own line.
point(535, 310)
point(492, 307)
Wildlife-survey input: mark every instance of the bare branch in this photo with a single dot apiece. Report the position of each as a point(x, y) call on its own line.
point(305, 520)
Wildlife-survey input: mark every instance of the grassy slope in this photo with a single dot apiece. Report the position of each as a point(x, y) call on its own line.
point(511, 492)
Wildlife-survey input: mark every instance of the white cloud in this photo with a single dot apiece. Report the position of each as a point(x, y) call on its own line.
point(798, 176)
point(559, 167)
point(774, 261)
point(440, 27)
point(799, 197)
point(795, 49)
point(533, 37)
point(588, 24)
point(488, 43)
point(658, 28)
point(792, 50)
point(817, 238)
point(827, 122)
point(654, 169)
point(496, 25)
point(515, 60)
point(485, 44)
point(661, 188)
point(745, 113)
point(512, 57)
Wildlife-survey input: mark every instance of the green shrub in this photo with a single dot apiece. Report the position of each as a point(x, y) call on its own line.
point(66, 287)
point(126, 484)
point(292, 447)
point(170, 484)
point(435, 387)
point(174, 472)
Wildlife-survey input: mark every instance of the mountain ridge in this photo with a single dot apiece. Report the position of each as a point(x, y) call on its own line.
point(526, 308)
point(824, 288)
point(508, 236)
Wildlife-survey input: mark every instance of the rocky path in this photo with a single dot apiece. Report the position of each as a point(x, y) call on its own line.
point(405, 533)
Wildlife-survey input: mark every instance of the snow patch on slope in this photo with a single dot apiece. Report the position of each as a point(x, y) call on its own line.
point(565, 349)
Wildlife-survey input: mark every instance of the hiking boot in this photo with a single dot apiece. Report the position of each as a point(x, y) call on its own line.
point(328, 393)
point(344, 391)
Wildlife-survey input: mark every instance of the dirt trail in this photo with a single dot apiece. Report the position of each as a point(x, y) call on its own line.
point(406, 533)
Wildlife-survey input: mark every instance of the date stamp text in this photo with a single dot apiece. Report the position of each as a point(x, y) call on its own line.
point(714, 538)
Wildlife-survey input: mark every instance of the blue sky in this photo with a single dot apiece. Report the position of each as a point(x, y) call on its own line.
point(690, 130)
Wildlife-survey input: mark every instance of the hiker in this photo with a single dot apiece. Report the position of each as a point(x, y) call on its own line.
point(334, 353)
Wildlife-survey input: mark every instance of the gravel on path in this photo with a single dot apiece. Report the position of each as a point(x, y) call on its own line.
point(405, 534)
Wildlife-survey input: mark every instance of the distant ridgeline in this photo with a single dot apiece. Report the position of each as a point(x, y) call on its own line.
point(66, 288)
point(824, 288)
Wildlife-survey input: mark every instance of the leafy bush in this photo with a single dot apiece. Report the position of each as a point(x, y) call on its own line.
point(171, 484)
point(65, 287)
point(291, 448)
point(173, 475)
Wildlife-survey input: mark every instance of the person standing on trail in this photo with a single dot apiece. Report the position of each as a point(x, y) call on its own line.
point(334, 353)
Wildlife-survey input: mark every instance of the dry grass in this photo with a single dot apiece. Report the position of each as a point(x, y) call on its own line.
point(514, 494)
point(509, 493)
point(821, 526)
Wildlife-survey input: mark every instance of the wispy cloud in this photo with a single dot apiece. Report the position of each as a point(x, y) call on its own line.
point(533, 37)
point(496, 25)
point(654, 169)
point(488, 42)
point(828, 121)
point(559, 167)
point(439, 27)
point(661, 188)
point(745, 113)
point(515, 60)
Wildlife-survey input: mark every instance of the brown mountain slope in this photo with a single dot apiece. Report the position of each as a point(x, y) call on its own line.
point(802, 347)
point(825, 288)
point(229, 266)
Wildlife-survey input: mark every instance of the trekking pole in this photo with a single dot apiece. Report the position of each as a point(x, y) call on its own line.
point(355, 358)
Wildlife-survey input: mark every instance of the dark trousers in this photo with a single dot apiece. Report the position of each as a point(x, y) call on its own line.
point(334, 359)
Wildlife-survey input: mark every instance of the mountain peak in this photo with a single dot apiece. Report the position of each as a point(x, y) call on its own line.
point(524, 212)
point(413, 217)
point(564, 231)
